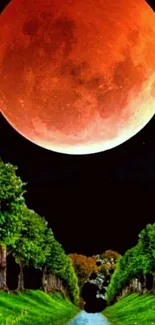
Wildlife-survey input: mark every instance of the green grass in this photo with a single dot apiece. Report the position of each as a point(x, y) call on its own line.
point(34, 307)
point(132, 310)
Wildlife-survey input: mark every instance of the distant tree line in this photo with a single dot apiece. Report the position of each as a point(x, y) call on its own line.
point(107, 262)
point(26, 235)
point(85, 267)
point(95, 269)
point(135, 271)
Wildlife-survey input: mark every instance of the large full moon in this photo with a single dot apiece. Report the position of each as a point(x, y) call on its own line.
point(77, 76)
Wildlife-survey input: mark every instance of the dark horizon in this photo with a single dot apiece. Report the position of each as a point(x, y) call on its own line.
point(96, 191)
point(63, 186)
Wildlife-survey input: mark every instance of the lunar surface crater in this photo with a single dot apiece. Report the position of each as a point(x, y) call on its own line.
point(77, 85)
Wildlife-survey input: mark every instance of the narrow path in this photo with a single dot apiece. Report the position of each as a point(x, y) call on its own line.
point(89, 319)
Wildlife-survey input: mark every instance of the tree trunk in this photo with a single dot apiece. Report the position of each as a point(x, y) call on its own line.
point(139, 286)
point(132, 285)
point(21, 277)
point(3, 267)
point(144, 285)
point(136, 285)
point(153, 284)
point(44, 280)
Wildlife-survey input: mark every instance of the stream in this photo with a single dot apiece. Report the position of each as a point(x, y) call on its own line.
point(84, 318)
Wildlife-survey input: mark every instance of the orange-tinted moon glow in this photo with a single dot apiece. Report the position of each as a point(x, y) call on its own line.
point(77, 76)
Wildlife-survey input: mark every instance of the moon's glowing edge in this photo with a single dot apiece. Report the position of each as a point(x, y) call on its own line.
point(83, 149)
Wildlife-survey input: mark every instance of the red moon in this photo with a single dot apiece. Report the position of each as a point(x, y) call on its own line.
point(77, 77)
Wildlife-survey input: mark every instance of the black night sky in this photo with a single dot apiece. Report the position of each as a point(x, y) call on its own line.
point(92, 202)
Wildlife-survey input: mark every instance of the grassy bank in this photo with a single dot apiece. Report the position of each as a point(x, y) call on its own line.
point(132, 310)
point(35, 308)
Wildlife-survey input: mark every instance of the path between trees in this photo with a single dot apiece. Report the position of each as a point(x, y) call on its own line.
point(84, 318)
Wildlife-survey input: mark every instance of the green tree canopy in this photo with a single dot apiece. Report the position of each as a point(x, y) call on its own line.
point(11, 185)
point(59, 263)
point(11, 200)
point(30, 247)
point(136, 262)
point(147, 245)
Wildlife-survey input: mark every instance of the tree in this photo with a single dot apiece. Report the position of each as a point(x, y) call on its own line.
point(115, 285)
point(56, 260)
point(110, 254)
point(48, 242)
point(136, 264)
point(11, 200)
point(84, 266)
point(72, 282)
point(28, 237)
point(152, 248)
point(107, 262)
point(147, 244)
point(58, 263)
point(30, 247)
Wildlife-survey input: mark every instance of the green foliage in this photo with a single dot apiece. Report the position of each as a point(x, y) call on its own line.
point(115, 285)
point(136, 262)
point(58, 263)
point(11, 185)
point(27, 233)
point(147, 245)
point(30, 247)
point(11, 200)
point(37, 246)
point(72, 282)
point(10, 225)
